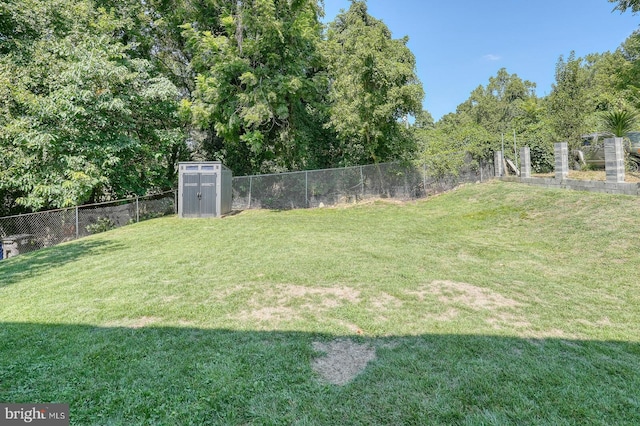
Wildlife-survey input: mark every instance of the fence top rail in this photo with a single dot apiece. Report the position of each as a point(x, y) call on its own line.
point(318, 170)
point(35, 213)
point(88, 205)
point(125, 199)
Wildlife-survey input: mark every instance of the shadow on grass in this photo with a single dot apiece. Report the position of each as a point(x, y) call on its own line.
point(43, 260)
point(176, 376)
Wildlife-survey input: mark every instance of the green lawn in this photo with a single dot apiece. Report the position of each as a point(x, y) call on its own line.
point(496, 303)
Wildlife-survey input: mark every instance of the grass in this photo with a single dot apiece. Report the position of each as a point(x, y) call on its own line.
point(496, 303)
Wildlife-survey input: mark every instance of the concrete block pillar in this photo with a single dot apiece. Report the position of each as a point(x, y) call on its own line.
point(561, 153)
point(498, 163)
point(525, 162)
point(614, 160)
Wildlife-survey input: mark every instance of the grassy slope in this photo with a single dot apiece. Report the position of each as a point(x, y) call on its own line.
point(496, 303)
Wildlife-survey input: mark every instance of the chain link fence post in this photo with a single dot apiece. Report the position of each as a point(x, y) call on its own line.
point(77, 224)
point(424, 178)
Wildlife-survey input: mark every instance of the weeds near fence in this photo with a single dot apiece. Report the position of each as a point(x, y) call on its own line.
point(103, 224)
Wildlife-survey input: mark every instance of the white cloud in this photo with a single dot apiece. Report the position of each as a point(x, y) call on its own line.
point(492, 57)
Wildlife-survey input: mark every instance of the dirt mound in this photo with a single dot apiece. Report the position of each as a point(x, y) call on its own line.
point(343, 360)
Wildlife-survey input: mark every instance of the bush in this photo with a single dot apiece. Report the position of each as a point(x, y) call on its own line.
point(102, 225)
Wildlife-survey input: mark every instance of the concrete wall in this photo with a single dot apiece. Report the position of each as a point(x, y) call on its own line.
point(614, 166)
point(525, 162)
point(622, 188)
point(561, 154)
point(498, 163)
point(614, 160)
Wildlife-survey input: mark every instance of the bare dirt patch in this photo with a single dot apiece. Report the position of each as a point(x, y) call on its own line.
point(283, 302)
point(456, 297)
point(343, 360)
point(467, 295)
point(286, 294)
point(384, 302)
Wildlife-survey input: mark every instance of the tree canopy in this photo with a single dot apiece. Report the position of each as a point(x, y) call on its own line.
point(373, 86)
point(83, 117)
point(259, 85)
point(623, 5)
point(100, 99)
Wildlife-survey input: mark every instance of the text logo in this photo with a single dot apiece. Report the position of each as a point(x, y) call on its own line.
point(34, 414)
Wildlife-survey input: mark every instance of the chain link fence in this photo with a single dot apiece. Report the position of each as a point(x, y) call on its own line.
point(350, 184)
point(28, 232)
point(313, 188)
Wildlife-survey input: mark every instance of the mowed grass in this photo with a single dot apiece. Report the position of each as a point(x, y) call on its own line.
point(496, 303)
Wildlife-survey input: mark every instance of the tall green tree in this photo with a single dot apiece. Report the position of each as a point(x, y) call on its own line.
point(587, 87)
point(625, 76)
point(259, 85)
point(153, 29)
point(84, 117)
point(445, 148)
point(535, 131)
point(568, 106)
point(603, 85)
point(498, 105)
point(373, 86)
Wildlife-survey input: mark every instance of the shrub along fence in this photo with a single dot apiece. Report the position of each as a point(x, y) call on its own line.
point(28, 232)
point(313, 188)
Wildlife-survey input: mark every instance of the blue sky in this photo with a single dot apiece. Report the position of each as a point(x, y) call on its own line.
point(460, 44)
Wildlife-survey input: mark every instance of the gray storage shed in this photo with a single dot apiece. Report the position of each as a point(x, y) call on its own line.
point(204, 189)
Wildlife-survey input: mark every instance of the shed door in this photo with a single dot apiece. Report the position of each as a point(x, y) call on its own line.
point(208, 194)
point(199, 194)
point(190, 191)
